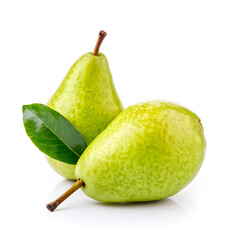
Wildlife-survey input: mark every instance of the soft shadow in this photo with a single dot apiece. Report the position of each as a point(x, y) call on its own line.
point(137, 204)
point(80, 209)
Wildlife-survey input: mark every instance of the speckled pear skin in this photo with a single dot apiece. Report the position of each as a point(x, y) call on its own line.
point(150, 151)
point(88, 99)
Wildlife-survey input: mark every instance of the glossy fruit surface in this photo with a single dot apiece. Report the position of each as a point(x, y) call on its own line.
point(88, 99)
point(150, 151)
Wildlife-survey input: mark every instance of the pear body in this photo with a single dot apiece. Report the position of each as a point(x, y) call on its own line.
point(88, 99)
point(150, 151)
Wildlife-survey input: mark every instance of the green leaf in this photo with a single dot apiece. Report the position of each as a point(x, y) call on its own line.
point(52, 133)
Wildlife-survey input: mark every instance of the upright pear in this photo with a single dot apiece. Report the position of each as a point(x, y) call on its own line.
point(87, 98)
point(150, 151)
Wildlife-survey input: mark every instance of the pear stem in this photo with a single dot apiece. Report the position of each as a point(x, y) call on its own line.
point(101, 36)
point(53, 205)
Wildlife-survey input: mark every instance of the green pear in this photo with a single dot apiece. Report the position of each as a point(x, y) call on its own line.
point(150, 151)
point(87, 98)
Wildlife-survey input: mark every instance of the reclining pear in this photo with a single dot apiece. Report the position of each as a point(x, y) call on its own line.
point(150, 151)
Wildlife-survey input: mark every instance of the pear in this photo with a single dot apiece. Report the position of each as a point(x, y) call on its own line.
point(150, 151)
point(87, 98)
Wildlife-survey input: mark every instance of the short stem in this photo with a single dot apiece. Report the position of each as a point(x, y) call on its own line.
point(53, 205)
point(101, 36)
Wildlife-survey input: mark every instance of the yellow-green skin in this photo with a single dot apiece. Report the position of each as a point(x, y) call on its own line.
point(88, 99)
point(150, 151)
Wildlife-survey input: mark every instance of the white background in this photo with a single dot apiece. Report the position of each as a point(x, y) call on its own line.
point(184, 51)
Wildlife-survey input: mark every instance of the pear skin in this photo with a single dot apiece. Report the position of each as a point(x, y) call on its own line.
point(87, 96)
point(150, 151)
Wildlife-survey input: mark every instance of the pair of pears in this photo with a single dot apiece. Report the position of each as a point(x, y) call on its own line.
point(146, 152)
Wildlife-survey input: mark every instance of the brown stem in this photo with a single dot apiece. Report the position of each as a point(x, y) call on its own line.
point(101, 36)
point(53, 205)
